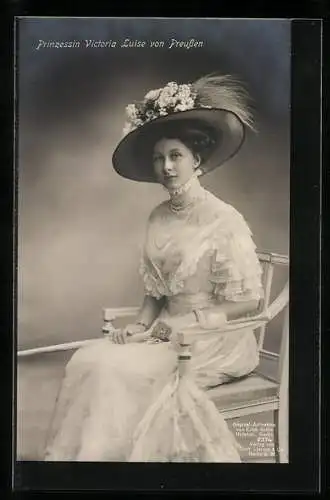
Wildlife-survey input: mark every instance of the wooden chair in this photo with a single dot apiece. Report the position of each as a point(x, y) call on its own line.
point(257, 392)
point(253, 394)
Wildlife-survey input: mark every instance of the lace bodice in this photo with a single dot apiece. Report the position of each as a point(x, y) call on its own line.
point(208, 248)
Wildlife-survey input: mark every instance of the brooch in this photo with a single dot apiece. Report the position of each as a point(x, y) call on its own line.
point(162, 332)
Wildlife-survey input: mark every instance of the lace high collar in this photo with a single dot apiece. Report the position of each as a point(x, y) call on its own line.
point(183, 198)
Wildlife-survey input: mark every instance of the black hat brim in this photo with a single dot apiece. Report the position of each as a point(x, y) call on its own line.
point(129, 159)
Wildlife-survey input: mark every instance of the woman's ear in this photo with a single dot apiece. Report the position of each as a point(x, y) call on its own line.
point(197, 160)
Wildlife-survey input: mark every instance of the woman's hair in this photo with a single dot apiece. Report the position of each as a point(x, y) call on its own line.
point(197, 137)
point(199, 142)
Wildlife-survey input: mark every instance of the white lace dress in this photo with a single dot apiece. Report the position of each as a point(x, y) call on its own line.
point(124, 402)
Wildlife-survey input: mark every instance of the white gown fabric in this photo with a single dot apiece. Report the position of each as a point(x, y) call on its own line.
point(126, 402)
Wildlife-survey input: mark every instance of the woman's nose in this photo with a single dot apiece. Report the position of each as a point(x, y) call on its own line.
point(168, 167)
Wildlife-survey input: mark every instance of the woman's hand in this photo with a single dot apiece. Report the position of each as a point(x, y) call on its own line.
point(210, 319)
point(120, 336)
point(134, 328)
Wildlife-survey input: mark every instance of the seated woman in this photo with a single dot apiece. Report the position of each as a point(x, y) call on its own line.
point(121, 400)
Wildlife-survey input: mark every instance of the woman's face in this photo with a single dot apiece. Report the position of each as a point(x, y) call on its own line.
point(174, 163)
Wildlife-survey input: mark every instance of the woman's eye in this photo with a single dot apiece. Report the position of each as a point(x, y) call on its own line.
point(175, 155)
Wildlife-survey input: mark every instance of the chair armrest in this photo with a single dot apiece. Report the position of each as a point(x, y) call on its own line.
point(111, 313)
point(280, 302)
point(191, 335)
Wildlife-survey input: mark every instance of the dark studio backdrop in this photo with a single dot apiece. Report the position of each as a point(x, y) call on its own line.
point(80, 225)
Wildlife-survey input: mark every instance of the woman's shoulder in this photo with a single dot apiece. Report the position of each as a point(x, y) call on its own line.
point(159, 211)
point(228, 215)
point(220, 206)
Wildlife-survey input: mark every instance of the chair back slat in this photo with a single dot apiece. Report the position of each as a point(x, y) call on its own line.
point(283, 365)
point(269, 260)
point(268, 273)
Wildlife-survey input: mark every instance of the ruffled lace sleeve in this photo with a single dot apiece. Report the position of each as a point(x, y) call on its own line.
point(236, 270)
point(177, 252)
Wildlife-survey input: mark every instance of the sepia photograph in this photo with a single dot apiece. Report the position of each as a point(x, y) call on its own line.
point(153, 209)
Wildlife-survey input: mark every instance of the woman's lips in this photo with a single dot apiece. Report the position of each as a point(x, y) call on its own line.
point(169, 177)
point(170, 181)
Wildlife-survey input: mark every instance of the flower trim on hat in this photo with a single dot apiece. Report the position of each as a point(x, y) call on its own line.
point(160, 102)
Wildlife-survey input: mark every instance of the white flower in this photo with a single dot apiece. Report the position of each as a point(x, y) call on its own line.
point(171, 88)
point(128, 127)
point(167, 95)
point(152, 95)
point(162, 112)
point(184, 90)
point(131, 111)
point(189, 103)
point(131, 125)
point(163, 100)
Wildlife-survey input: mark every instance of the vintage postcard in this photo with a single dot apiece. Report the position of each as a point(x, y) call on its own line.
point(153, 232)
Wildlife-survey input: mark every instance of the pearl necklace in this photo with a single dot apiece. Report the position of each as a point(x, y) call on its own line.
point(184, 206)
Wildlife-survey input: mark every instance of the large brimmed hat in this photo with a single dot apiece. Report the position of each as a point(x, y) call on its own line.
point(214, 107)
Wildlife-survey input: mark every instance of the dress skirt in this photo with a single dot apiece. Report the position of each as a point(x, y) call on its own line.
point(127, 403)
